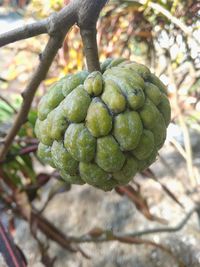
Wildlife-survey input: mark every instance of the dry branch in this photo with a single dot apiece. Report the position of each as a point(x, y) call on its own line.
point(105, 236)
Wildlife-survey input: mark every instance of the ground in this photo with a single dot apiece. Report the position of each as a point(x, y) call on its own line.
point(84, 207)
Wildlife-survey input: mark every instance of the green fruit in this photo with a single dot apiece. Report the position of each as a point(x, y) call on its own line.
point(126, 75)
point(149, 114)
point(94, 83)
point(98, 120)
point(127, 172)
point(145, 146)
point(153, 93)
point(130, 83)
point(76, 104)
point(44, 153)
point(62, 158)
point(144, 164)
point(164, 108)
point(153, 79)
point(105, 64)
point(50, 101)
point(108, 155)
point(71, 179)
point(92, 174)
point(58, 123)
point(159, 131)
point(42, 131)
point(113, 97)
point(79, 142)
point(142, 70)
point(73, 81)
point(128, 130)
point(104, 127)
point(115, 62)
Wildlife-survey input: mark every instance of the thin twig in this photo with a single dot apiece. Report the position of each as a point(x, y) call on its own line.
point(176, 228)
point(148, 173)
point(104, 237)
point(178, 147)
point(8, 103)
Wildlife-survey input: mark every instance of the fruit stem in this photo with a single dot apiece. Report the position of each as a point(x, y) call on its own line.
point(90, 48)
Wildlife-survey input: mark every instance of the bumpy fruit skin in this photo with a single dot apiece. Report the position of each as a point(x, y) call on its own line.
point(104, 127)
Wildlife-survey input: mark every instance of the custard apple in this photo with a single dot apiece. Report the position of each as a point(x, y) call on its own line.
point(101, 128)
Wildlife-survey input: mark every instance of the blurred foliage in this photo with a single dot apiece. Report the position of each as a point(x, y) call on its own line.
point(18, 166)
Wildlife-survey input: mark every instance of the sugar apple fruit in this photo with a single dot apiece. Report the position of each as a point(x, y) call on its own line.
point(101, 128)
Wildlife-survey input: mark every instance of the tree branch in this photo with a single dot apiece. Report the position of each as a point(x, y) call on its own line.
point(88, 12)
point(24, 32)
point(84, 12)
point(57, 22)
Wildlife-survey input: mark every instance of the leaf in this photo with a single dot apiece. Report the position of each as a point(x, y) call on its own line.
point(140, 203)
point(25, 169)
point(11, 171)
point(32, 116)
point(10, 251)
point(6, 112)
